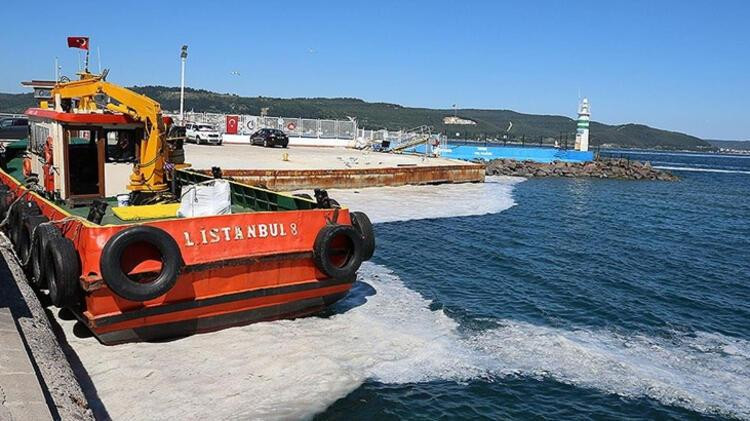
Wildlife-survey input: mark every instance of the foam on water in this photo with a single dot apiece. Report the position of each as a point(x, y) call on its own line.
point(296, 368)
point(702, 372)
point(387, 204)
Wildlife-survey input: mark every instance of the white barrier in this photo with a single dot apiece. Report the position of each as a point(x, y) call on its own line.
point(301, 131)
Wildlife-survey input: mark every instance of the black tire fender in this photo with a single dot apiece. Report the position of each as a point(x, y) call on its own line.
point(42, 239)
point(26, 237)
point(119, 281)
point(5, 199)
point(361, 222)
point(323, 251)
point(19, 212)
point(62, 269)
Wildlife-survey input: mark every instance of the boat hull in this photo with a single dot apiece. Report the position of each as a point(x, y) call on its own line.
point(237, 310)
point(236, 269)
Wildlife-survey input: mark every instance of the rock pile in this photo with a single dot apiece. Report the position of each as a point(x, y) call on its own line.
point(605, 168)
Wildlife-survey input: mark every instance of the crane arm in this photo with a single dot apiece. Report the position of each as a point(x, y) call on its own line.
point(148, 174)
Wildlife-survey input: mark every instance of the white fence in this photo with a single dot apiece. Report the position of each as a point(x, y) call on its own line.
point(306, 131)
point(293, 127)
point(8, 115)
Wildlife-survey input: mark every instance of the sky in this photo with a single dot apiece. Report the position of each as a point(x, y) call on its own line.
point(677, 65)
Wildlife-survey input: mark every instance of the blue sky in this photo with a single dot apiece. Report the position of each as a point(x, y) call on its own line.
point(678, 65)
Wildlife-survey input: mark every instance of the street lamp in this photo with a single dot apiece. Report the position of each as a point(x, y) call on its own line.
point(183, 57)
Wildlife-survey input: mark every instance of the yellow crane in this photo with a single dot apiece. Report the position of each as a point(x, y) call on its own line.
point(148, 172)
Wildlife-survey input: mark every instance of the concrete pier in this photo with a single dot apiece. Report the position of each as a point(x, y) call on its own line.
point(21, 396)
point(37, 381)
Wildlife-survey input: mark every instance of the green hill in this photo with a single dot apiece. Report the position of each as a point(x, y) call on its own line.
point(15, 103)
point(377, 115)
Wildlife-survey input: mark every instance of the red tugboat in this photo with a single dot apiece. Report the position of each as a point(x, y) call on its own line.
point(91, 202)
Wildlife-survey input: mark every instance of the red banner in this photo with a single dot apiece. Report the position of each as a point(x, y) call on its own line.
point(232, 122)
point(78, 42)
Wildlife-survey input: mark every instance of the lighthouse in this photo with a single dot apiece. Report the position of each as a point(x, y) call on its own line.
point(582, 126)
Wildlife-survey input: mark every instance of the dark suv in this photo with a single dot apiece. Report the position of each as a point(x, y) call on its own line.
point(270, 138)
point(14, 128)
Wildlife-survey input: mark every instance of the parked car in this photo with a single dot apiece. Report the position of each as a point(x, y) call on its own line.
point(270, 138)
point(14, 128)
point(202, 133)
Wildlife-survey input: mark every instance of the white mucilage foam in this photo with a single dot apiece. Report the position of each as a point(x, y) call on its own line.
point(294, 369)
point(291, 369)
point(388, 204)
point(703, 372)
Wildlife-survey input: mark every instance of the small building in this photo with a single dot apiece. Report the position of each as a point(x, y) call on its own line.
point(458, 120)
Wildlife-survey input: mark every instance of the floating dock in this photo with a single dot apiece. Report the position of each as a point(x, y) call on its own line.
point(319, 167)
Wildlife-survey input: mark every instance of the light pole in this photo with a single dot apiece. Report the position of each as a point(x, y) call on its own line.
point(183, 57)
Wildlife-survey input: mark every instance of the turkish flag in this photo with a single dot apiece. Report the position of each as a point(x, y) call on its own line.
point(78, 42)
point(232, 122)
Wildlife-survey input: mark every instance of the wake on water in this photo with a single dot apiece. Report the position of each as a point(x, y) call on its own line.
point(698, 169)
point(388, 333)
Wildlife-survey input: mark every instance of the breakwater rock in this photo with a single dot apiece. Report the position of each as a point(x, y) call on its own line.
point(604, 168)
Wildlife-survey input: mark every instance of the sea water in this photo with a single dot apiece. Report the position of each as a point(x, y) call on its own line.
point(564, 298)
point(587, 298)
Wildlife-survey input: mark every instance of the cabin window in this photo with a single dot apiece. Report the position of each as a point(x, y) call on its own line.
point(121, 145)
point(38, 137)
point(83, 166)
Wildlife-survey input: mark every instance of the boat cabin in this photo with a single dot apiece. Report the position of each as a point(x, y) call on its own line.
point(80, 157)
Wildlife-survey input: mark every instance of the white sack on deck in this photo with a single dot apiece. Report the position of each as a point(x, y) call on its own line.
point(206, 199)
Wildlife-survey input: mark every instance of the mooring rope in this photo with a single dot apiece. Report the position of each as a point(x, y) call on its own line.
point(6, 220)
point(33, 235)
point(10, 208)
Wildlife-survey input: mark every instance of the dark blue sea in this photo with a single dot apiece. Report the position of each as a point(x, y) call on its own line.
point(585, 299)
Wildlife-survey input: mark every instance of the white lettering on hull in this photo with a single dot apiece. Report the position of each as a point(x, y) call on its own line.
point(239, 232)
